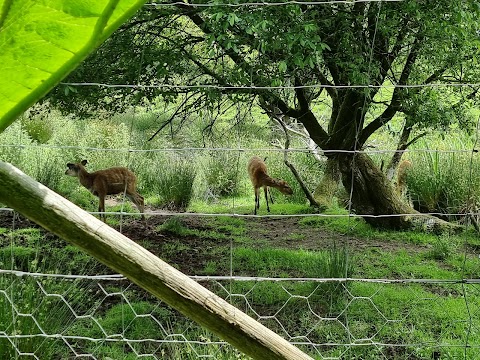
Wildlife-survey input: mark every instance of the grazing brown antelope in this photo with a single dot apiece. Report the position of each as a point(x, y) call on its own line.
point(105, 182)
point(403, 168)
point(258, 174)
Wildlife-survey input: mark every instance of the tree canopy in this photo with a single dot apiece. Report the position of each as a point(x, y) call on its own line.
point(307, 53)
point(369, 61)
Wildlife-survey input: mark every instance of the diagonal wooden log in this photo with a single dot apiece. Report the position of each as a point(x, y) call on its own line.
point(68, 221)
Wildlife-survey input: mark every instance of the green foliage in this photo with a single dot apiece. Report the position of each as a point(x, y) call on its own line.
point(230, 225)
point(285, 42)
point(442, 249)
point(11, 143)
point(221, 172)
point(38, 129)
point(174, 225)
point(45, 167)
point(333, 263)
point(174, 183)
point(63, 38)
point(330, 312)
point(18, 299)
point(445, 182)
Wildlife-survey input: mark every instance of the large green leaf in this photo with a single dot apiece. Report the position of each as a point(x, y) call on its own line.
point(41, 41)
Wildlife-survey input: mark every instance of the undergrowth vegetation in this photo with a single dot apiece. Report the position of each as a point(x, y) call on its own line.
point(182, 172)
point(176, 169)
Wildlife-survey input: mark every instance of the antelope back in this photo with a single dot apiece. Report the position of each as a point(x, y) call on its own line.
point(256, 169)
point(115, 180)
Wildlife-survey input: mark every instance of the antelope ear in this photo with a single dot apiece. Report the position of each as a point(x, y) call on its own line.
point(70, 165)
point(84, 162)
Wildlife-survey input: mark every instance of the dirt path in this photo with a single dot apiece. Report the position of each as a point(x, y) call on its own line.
point(190, 253)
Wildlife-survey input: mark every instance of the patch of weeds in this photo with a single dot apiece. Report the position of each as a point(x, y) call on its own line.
point(229, 225)
point(340, 223)
point(18, 258)
point(210, 268)
point(174, 225)
point(71, 259)
point(81, 197)
point(442, 249)
point(246, 240)
point(24, 237)
point(270, 262)
point(208, 234)
point(281, 208)
point(411, 237)
point(124, 319)
point(29, 299)
point(242, 205)
point(296, 237)
point(468, 266)
point(173, 248)
point(401, 265)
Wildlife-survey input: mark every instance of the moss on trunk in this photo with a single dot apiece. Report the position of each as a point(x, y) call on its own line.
point(375, 198)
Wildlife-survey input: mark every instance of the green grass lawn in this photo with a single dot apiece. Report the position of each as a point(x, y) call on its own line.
point(416, 308)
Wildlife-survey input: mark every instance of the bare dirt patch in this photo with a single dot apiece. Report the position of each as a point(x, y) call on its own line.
point(191, 253)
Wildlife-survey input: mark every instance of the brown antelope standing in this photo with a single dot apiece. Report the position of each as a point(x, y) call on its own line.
point(257, 170)
point(105, 182)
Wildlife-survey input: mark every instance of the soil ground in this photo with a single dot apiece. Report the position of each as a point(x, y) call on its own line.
point(190, 253)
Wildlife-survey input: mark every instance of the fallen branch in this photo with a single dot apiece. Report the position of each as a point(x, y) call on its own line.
point(295, 173)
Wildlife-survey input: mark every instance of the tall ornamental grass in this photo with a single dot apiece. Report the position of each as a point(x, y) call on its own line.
point(168, 177)
point(444, 181)
point(222, 171)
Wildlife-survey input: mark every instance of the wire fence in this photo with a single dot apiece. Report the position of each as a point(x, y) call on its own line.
point(45, 314)
point(92, 312)
point(327, 317)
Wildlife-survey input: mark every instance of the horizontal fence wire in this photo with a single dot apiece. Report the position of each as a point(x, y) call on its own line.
point(264, 3)
point(240, 149)
point(270, 216)
point(201, 278)
point(284, 87)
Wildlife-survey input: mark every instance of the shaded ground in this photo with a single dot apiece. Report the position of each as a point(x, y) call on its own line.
point(190, 253)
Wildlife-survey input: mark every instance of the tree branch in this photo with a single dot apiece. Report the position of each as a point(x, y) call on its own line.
point(395, 103)
point(294, 171)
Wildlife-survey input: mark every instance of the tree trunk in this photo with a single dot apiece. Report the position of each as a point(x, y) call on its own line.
point(372, 193)
point(402, 146)
point(328, 186)
point(397, 156)
point(375, 198)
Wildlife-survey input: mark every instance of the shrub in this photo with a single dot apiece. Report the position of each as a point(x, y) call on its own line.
point(37, 122)
point(221, 171)
point(175, 185)
point(11, 141)
point(169, 177)
point(442, 182)
point(46, 165)
point(38, 128)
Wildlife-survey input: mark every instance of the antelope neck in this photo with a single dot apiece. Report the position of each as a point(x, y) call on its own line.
point(269, 181)
point(86, 179)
